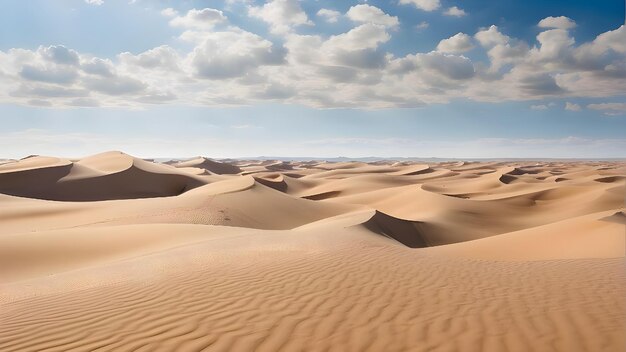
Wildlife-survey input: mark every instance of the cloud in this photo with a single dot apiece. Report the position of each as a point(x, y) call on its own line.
point(371, 14)
point(572, 106)
point(560, 22)
point(169, 12)
point(365, 36)
point(231, 54)
point(330, 16)
point(555, 44)
point(219, 64)
point(115, 85)
point(203, 19)
point(48, 91)
point(49, 75)
point(450, 66)
point(458, 43)
point(94, 2)
point(426, 5)
point(436, 66)
point(59, 54)
point(610, 109)
point(455, 12)
point(163, 57)
point(539, 107)
point(282, 15)
point(422, 25)
point(97, 66)
point(491, 37)
point(614, 40)
point(539, 84)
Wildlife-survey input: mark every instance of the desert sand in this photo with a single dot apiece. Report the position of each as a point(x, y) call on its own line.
point(112, 252)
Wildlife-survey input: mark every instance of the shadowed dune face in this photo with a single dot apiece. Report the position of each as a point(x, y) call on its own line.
point(106, 176)
point(115, 252)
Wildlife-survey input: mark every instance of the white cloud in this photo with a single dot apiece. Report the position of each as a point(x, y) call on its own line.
point(426, 5)
point(422, 25)
point(94, 2)
point(502, 50)
point(610, 109)
point(458, 43)
point(330, 16)
point(169, 12)
point(203, 19)
point(455, 12)
point(371, 14)
point(555, 44)
point(491, 37)
point(60, 55)
point(97, 66)
point(59, 75)
point(231, 54)
point(365, 36)
point(560, 22)
point(162, 57)
point(572, 106)
point(614, 40)
point(282, 15)
point(223, 65)
point(539, 107)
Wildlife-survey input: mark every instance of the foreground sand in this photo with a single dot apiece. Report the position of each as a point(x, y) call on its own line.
point(111, 252)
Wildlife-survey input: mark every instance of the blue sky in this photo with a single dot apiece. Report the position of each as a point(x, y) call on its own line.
point(422, 78)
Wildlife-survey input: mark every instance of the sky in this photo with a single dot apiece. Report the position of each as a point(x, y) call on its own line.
point(314, 78)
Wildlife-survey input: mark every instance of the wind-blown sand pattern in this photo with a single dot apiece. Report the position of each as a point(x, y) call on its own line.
point(111, 252)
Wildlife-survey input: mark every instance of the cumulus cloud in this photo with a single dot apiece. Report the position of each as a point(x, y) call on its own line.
point(221, 64)
point(458, 43)
point(435, 64)
point(454, 12)
point(426, 5)
point(371, 14)
point(60, 55)
point(330, 16)
point(197, 19)
point(233, 54)
point(115, 85)
point(365, 36)
point(491, 37)
point(572, 106)
point(94, 2)
point(163, 57)
point(97, 66)
point(49, 75)
point(501, 49)
point(560, 22)
point(281, 15)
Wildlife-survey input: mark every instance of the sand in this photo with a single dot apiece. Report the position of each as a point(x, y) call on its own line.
point(112, 252)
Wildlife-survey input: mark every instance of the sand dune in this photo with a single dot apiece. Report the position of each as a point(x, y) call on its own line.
point(105, 176)
point(209, 165)
point(113, 252)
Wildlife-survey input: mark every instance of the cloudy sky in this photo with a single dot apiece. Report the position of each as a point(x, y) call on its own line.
point(233, 78)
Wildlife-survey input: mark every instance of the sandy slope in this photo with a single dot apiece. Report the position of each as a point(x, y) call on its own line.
point(112, 252)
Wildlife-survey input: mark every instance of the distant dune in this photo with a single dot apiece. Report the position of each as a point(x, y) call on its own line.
point(113, 252)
